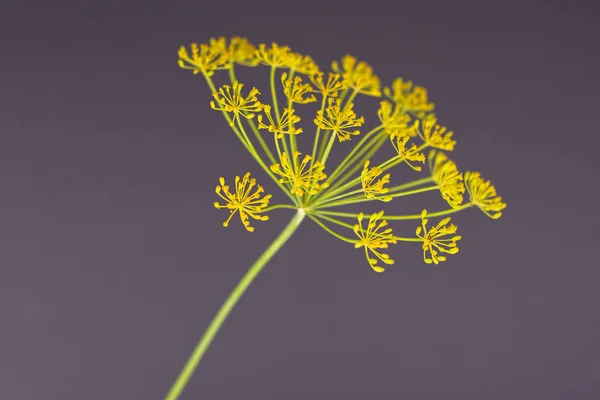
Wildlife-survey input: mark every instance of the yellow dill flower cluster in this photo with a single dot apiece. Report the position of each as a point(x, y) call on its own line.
point(268, 124)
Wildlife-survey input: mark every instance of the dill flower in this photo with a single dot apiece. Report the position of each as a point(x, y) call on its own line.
point(358, 76)
point(285, 125)
point(295, 89)
point(445, 173)
point(412, 99)
point(406, 154)
point(275, 56)
point(302, 64)
point(434, 241)
point(330, 88)
point(375, 236)
point(242, 202)
point(339, 119)
point(203, 58)
point(242, 52)
point(483, 194)
point(230, 99)
point(432, 134)
point(302, 176)
point(392, 117)
point(374, 189)
point(405, 116)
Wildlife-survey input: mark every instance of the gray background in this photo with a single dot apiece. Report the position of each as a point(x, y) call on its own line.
point(113, 259)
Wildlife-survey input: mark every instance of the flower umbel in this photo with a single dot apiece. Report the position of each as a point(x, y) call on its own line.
point(339, 120)
point(433, 242)
point(295, 90)
point(392, 117)
point(203, 58)
point(483, 194)
point(412, 99)
point(432, 134)
point(358, 75)
point(375, 236)
point(405, 116)
point(374, 189)
point(230, 99)
point(330, 88)
point(302, 176)
point(445, 173)
point(285, 125)
point(407, 154)
point(243, 201)
point(242, 52)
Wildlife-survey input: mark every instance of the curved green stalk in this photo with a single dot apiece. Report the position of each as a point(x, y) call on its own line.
point(362, 199)
point(442, 213)
point(228, 305)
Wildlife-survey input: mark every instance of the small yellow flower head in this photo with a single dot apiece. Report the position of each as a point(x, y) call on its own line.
point(339, 119)
point(432, 134)
point(248, 205)
point(433, 242)
point(302, 64)
point(329, 89)
point(375, 236)
point(412, 99)
point(407, 155)
point(275, 56)
point(392, 118)
point(285, 125)
point(204, 58)
point(230, 99)
point(483, 195)
point(445, 173)
point(358, 76)
point(303, 177)
point(372, 189)
point(242, 52)
point(294, 90)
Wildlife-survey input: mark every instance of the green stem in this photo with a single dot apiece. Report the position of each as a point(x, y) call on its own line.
point(362, 199)
point(350, 158)
point(228, 305)
point(316, 142)
point(274, 94)
point(331, 231)
point(259, 137)
point(443, 213)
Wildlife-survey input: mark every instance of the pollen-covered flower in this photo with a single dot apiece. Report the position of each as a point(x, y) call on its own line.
point(410, 98)
point(203, 58)
point(305, 178)
point(230, 99)
point(275, 56)
point(295, 90)
point(374, 189)
point(242, 201)
point(375, 236)
point(450, 181)
point(408, 155)
point(434, 241)
point(285, 125)
point(392, 117)
point(483, 194)
point(330, 88)
point(432, 134)
point(358, 76)
point(242, 52)
point(339, 119)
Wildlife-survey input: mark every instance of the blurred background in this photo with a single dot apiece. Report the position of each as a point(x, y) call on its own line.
point(113, 259)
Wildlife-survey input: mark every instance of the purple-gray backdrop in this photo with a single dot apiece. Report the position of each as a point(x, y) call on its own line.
point(113, 259)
